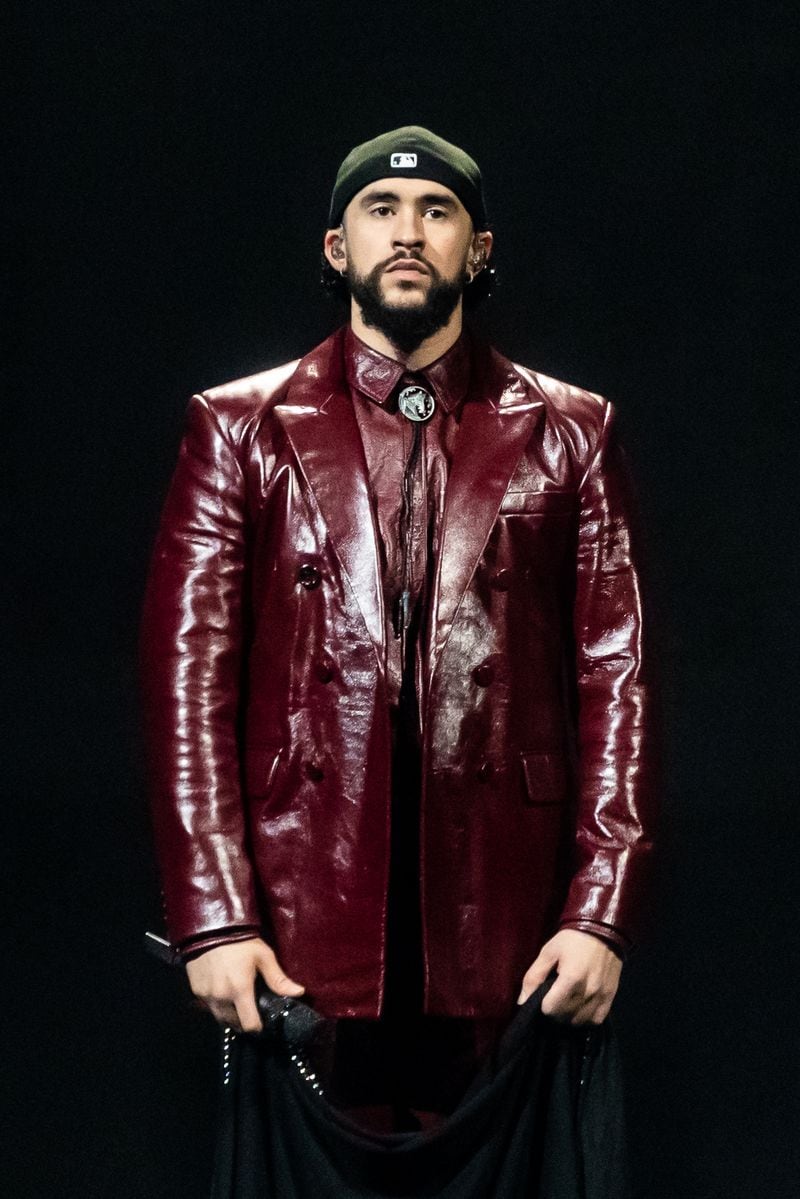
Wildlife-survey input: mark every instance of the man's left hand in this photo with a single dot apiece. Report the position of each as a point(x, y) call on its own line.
point(588, 977)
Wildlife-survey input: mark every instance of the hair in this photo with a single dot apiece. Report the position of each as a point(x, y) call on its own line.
point(480, 289)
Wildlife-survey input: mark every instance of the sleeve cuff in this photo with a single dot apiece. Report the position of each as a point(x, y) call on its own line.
point(193, 947)
point(612, 937)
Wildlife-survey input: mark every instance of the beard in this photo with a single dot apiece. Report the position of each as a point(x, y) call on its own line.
point(405, 326)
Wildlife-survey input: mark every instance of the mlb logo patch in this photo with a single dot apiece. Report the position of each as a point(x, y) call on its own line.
point(403, 160)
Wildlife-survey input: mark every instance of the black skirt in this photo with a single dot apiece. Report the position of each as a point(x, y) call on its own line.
point(541, 1119)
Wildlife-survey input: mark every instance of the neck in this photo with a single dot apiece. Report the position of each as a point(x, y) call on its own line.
point(428, 351)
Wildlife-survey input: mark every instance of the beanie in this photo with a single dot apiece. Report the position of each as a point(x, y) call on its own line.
point(410, 152)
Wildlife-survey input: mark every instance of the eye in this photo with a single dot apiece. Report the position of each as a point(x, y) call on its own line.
point(380, 210)
point(436, 213)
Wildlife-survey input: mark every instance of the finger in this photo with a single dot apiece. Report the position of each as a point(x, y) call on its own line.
point(594, 1009)
point(535, 976)
point(247, 1011)
point(588, 1014)
point(224, 1013)
point(274, 976)
point(595, 1014)
point(585, 1014)
point(563, 999)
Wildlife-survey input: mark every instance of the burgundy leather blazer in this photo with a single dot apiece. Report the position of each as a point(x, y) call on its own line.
point(266, 714)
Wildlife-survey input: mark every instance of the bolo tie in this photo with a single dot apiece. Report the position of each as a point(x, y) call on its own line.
point(416, 405)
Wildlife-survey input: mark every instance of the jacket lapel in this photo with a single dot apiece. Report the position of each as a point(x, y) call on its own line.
point(495, 428)
point(321, 426)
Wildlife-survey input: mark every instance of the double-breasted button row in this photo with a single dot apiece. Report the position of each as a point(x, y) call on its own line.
point(308, 576)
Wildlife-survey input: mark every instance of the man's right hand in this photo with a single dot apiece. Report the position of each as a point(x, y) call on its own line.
point(224, 979)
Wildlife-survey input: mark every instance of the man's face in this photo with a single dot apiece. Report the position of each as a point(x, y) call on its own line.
point(405, 246)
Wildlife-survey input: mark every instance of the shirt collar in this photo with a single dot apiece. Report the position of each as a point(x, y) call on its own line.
point(376, 376)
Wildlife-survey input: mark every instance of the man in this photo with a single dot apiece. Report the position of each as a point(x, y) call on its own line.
point(394, 686)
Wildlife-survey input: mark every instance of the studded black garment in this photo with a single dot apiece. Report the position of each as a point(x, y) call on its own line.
point(542, 1120)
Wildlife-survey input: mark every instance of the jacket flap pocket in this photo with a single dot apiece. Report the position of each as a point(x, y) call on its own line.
point(538, 501)
point(260, 767)
point(545, 778)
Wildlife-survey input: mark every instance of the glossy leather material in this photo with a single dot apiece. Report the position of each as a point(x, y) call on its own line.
point(266, 701)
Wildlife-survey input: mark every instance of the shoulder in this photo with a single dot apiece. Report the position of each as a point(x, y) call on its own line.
point(253, 391)
point(241, 406)
point(563, 402)
point(238, 405)
point(585, 411)
point(575, 419)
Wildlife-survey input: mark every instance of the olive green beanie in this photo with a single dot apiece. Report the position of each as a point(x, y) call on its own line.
point(410, 152)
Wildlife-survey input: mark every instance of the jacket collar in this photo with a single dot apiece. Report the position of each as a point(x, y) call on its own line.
point(377, 376)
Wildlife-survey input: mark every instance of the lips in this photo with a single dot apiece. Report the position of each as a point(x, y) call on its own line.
point(407, 264)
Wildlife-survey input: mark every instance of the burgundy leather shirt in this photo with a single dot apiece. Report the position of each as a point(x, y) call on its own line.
point(393, 468)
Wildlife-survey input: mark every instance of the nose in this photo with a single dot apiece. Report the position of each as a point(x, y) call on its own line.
point(409, 230)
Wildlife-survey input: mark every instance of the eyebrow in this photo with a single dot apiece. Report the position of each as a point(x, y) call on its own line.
point(374, 197)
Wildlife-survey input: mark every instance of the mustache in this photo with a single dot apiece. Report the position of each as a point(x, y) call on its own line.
point(406, 256)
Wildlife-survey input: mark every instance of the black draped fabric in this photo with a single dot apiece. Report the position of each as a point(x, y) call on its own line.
point(542, 1119)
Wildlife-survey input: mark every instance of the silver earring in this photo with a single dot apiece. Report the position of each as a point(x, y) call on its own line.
point(475, 267)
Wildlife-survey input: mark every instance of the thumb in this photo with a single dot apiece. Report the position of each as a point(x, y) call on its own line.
point(274, 976)
point(537, 973)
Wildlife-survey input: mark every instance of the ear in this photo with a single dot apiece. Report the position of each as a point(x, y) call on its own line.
point(480, 250)
point(334, 249)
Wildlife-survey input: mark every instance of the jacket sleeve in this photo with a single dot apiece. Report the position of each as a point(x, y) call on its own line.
point(191, 660)
point(615, 804)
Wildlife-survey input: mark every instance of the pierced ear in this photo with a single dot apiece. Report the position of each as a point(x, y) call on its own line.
point(477, 262)
point(481, 246)
point(334, 249)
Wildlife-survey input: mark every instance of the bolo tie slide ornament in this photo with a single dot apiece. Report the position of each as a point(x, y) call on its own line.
point(416, 404)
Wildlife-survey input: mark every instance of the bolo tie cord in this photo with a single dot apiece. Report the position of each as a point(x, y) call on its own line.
point(417, 406)
point(402, 613)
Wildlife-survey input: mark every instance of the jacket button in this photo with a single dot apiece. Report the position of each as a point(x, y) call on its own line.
point(501, 579)
point(323, 671)
point(313, 772)
point(485, 772)
point(483, 674)
point(308, 576)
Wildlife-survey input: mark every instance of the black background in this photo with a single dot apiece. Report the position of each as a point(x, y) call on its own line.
point(170, 165)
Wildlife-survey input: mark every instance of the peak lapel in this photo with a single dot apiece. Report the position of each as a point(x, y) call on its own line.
point(495, 428)
point(319, 421)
